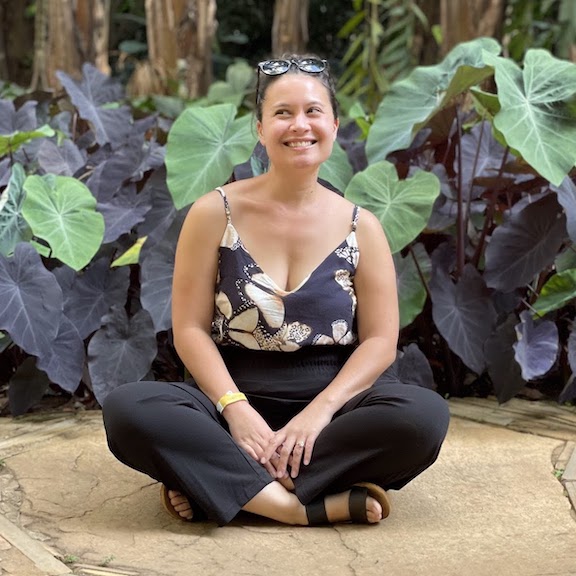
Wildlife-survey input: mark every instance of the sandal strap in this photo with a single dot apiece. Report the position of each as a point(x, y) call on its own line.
point(357, 504)
point(316, 512)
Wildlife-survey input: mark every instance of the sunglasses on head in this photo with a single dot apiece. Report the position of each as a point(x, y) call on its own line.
point(281, 66)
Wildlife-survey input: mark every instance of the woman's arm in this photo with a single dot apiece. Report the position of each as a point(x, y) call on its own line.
point(194, 281)
point(378, 327)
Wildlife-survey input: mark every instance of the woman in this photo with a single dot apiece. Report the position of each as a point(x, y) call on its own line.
point(285, 313)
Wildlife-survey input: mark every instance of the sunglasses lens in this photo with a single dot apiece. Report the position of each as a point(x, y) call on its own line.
point(275, 67)
point(312, 65)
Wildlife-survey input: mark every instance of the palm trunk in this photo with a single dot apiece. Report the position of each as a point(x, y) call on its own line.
point(290, 27)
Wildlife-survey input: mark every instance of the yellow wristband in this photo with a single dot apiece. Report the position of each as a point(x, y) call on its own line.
point(229, 398)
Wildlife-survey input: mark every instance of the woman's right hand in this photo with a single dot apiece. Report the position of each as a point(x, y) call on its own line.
point(250, 431)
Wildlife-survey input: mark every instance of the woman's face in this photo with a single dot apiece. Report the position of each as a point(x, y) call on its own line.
point(298, 127)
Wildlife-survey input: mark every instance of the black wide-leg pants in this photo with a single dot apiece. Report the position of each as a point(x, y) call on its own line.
point(387, 434)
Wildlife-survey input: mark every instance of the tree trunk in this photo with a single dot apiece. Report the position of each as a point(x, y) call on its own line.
point(180, 34)
point(290, 27)
point(67, 34)
point(462, 21)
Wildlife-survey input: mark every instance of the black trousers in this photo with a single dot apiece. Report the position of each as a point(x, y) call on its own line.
point(387, 434)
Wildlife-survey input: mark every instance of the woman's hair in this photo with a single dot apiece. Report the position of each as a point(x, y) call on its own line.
point(264, 81)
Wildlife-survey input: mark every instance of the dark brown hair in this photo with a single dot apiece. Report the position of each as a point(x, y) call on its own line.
point(324, 77)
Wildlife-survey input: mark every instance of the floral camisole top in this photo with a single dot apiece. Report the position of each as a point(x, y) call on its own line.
point(251, 311)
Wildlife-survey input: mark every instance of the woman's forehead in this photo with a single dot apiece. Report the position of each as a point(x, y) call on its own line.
point(297, 85)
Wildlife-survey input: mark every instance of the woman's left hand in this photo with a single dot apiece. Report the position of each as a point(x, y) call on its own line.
point(295, 442)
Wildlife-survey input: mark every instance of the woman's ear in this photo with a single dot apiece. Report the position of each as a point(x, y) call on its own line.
point(336, 126)
point(260, 132)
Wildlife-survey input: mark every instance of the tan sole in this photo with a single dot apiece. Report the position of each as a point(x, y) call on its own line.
point(379, 494)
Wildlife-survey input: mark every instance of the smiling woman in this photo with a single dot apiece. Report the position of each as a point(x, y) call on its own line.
point(285, 314)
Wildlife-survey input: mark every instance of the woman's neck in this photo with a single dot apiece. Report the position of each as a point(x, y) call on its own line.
point(299, 187)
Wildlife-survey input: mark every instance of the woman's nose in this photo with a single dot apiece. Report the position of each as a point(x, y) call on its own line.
point(300, 121)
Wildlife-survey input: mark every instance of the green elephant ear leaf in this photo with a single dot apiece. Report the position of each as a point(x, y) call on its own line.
point(537, 115)
point(559, 291)
point(203, 147)
point(402, 206)
point(13, 227)
point(413, 101)
point(62, 211)
point(337, 169)
point(11, 142)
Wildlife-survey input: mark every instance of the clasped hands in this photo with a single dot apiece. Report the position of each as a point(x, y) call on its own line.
point(291, 446)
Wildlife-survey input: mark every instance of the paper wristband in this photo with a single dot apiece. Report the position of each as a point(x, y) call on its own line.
point(229, 398)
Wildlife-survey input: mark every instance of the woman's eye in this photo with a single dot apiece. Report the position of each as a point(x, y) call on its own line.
point(281, 112)
point(315, 110)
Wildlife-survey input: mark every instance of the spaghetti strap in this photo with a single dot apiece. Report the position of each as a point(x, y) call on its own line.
point(226, 205)
point(355, 217)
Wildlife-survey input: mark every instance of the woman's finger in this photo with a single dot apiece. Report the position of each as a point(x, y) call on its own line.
point(297, 453)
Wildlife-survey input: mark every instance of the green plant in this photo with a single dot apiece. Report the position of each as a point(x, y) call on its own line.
point(70, 559)
point(107, 560)
point(381, 34)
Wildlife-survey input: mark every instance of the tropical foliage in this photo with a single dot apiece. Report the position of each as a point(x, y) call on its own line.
point(467, 165)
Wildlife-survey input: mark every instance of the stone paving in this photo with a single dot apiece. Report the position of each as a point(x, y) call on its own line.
point(496, 502)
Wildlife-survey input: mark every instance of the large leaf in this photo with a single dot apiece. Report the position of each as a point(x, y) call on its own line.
point(537, 346)
point(21, 120)
point(13, 227)
point(337, 169)
point(411, 367)
point(567, 197)
point(30, 301)
point(524, 245)
point(61, 210)
point(463, 313)
point(537, 116)
point(27, 387)
point(13, 142)
point(412, 102)
point(203, 147)
point(162, 213)
point(157, 271)
point(63, 160)
point(503, 369)
point(111, 124)
point(123, 211)
point(558, 291)
point(65, 361)
point(481, 156)
point(411, 273)
point(121, 351)
point(403, 207)
point(93, 293)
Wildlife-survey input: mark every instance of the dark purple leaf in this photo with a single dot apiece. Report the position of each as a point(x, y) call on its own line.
point(537, 346)
point(156, 278)
point(503, 369)
point(482, 156)
point(121, 351)
point(567, 197)
point(161, 214)
point(109, 175)
point(123, 211)
point(65, 361)
point(30, 301)
point(572, 349)
point(525, 245)
point(5, 171)
point(151, 157)
point(21, 120)
point(412, 367)
point(65, 277)
point(27, 387)
point(93, 293)
point(111, 125)
point(568, 393)
point(62, 160)
point(464, 314)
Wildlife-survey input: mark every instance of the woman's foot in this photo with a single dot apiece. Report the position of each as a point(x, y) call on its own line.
point(278, 503)
point(178, 505)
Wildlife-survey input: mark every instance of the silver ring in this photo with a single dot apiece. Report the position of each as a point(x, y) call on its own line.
point(300, 444)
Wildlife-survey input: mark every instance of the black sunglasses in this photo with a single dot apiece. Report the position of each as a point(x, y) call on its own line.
point(281, 66)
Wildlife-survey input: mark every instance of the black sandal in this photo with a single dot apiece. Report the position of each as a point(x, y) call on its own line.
point(316, 510)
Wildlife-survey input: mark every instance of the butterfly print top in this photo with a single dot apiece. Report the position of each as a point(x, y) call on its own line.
point(251, 311)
